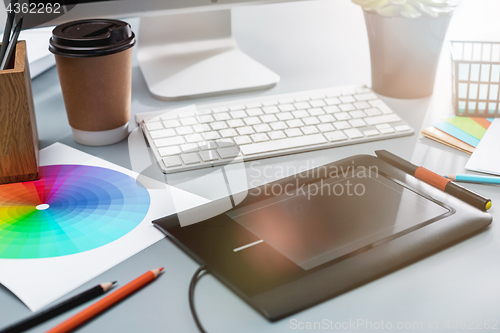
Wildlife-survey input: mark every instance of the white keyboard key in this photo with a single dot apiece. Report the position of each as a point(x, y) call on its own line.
point(286, 101)
point(205, 119)
point(381, 106)
point(335, 136)
point(371, 132)
point(189, 147)
point(209, 155)
point(402, 128)
point(269, 118)
point(382, 126)
point(199, 128)
point(361, 105)
point(189, 121)
point(373, 112)
point(252, 121)
point(171, 123)
point(302, 99)
point(245, 130)
point(316, 111)
point(270, 109)
point(366, 97)
point(228, 133)
point(269, 103)
point(353, 133)
point(311, 121)
point(259, 137)
point(225, 143)
point(262, 128)
point(317, 103)
point(173, 141)
point(342, 116)
point(302, 141)
point(326, 127)
point(235, 123)
point(331, 109)
point(154, 126)
point(238, 114)
point(307, 130)
point(207, 145)
point(228, 152)
point(164, 133)
point(221, 109)
point(391, 118)
point(328, 118)
point(242, 140)
point(218, 125)
point(184, 130)
point(276, 135)
point(278, 125)
point(236, 107)
point(302, 105)
point(253, 105)
point(190, 158)
point(211, 135)
point(193, 138)
point(300, 114)
point(357, 123)
point(255, 112)
point(318, 96)
point(348, 92)
point(284, 116)
point(387, 130)
point(292, 132)
point(347, 107)
point(340, 125)
point(167, 151)
point(332, 101)
point(294, 123)
point(222, 116)
point(347, 99)
point(172, 161)
point(286, 107)
point(357, 114)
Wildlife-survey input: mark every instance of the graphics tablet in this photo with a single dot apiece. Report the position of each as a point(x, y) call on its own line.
point(293, 243)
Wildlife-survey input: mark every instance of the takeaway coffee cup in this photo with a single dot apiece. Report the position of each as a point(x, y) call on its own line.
point(94, 63)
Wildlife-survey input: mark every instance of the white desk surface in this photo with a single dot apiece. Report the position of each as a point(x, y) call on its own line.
point(312, 44)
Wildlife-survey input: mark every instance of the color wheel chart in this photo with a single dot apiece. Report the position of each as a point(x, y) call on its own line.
point(70, 209)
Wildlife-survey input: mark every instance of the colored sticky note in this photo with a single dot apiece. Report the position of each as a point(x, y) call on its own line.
point(467, 125)
point(457, 133)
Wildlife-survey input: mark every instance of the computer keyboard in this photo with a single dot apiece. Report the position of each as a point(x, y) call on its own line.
point(212, 135)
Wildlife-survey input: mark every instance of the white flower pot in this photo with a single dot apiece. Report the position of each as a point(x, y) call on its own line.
point(405, 53)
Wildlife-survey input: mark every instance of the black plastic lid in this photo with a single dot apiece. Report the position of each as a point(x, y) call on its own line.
point(91, 38)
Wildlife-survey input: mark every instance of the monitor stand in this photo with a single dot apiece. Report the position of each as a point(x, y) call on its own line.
point(193, 55)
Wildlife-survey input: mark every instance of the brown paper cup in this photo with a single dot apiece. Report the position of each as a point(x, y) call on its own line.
point(97, 95)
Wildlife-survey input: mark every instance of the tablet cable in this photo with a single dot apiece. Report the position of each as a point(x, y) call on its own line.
point(196, 277)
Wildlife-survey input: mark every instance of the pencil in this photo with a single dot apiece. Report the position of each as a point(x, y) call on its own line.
point(475, 179)
point(7, 29)
point(56, 310)
point(12, 45)
point(106, 302)
point(438, 181)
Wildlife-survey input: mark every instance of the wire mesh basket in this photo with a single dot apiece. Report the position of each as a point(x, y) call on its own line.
point(476, 78)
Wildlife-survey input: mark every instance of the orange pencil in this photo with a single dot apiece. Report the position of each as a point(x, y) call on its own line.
point(106, 302)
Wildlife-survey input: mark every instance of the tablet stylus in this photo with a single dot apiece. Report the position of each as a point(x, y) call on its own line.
point(444, 184)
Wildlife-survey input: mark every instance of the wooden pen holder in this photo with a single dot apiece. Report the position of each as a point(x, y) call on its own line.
point(18, 132)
